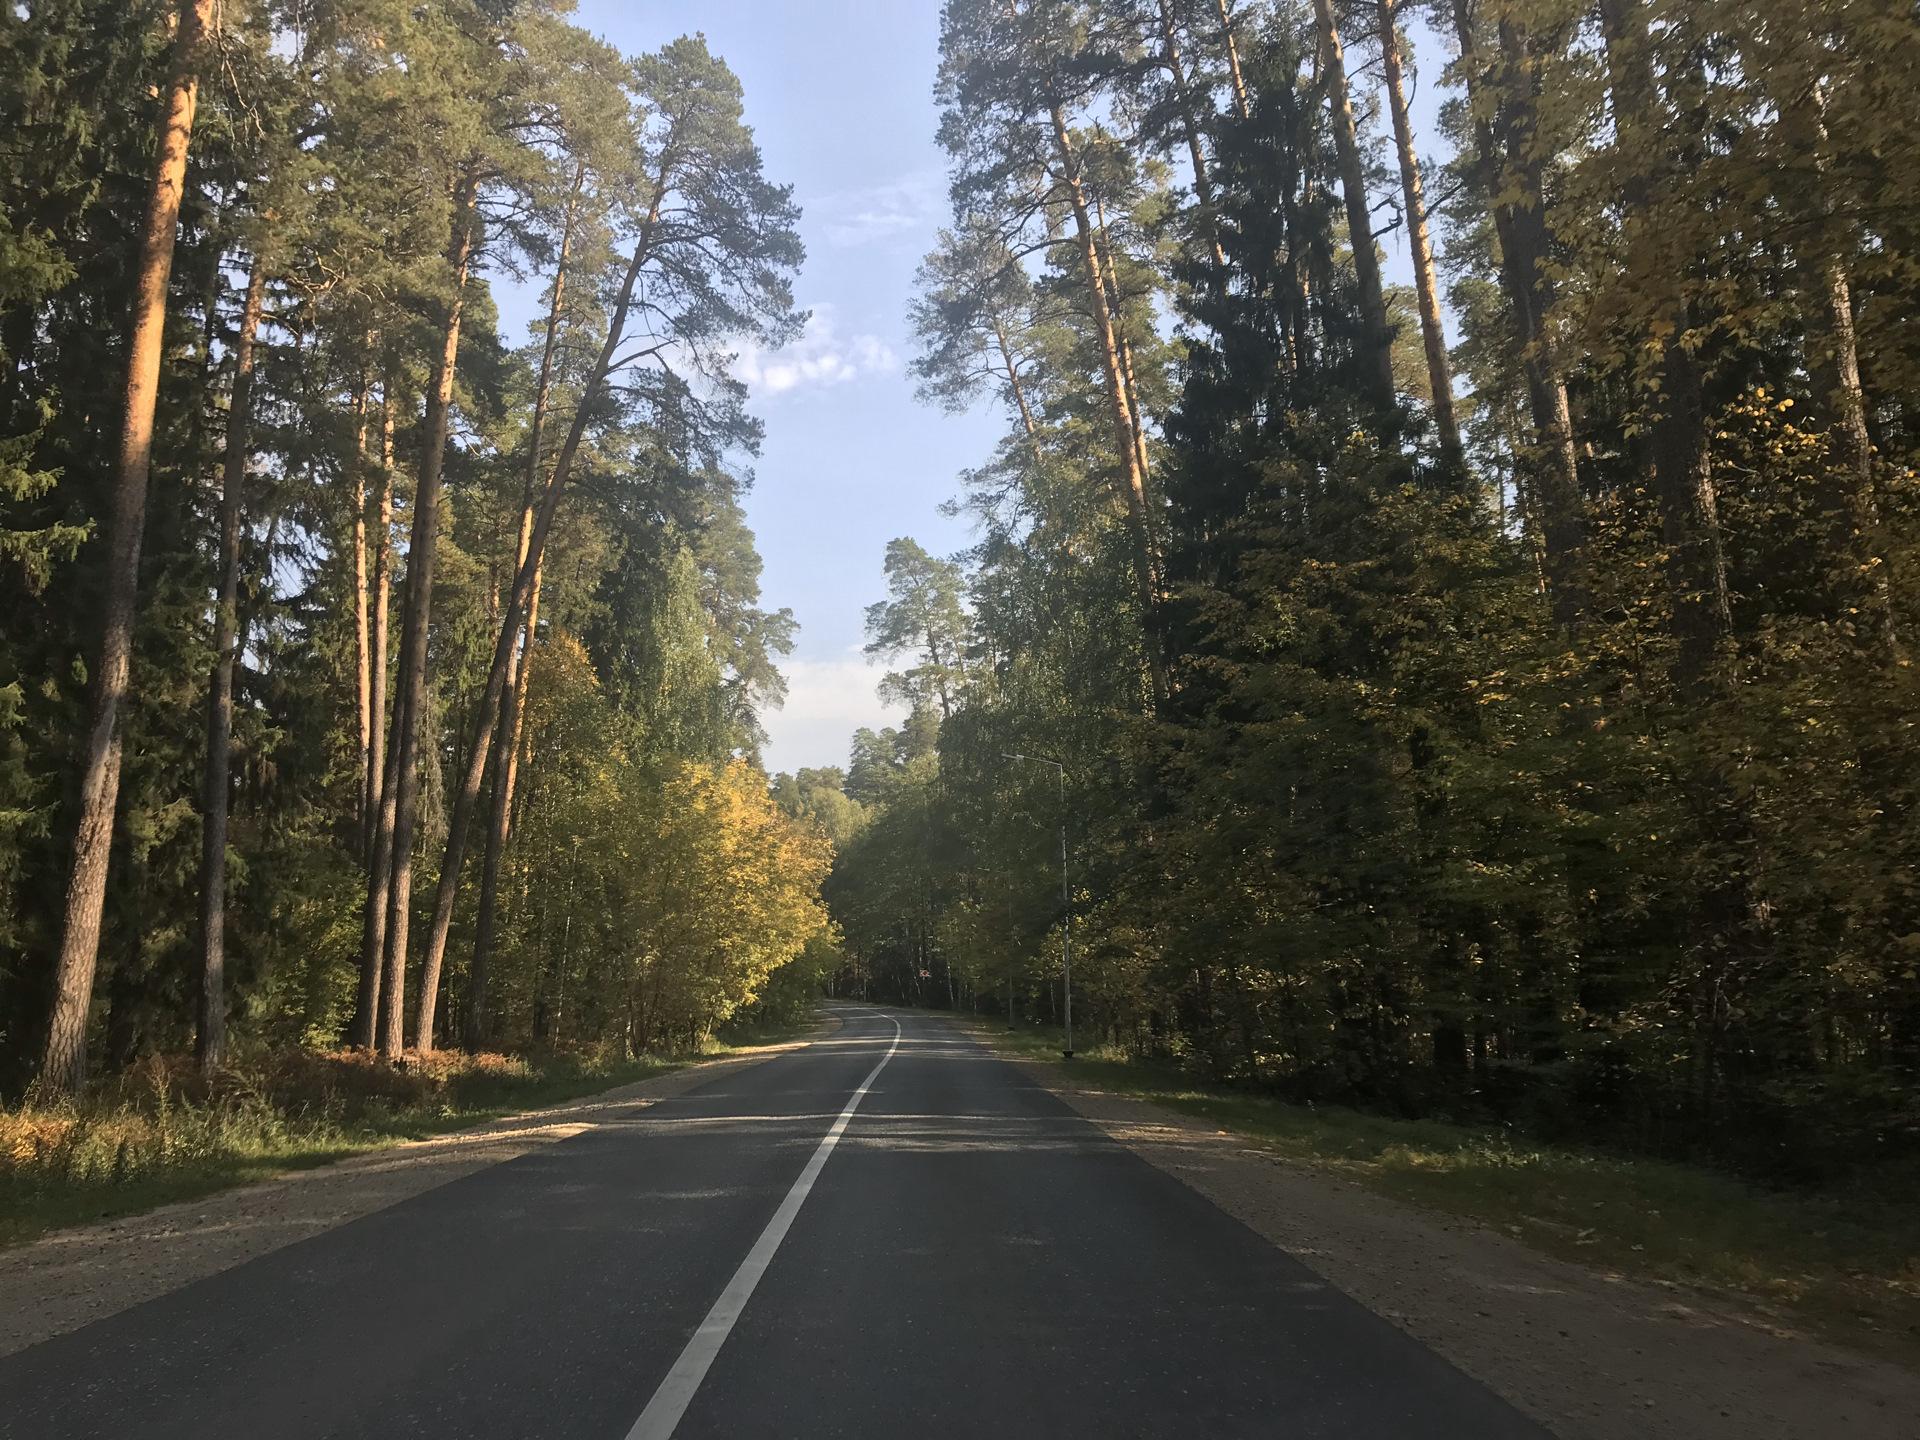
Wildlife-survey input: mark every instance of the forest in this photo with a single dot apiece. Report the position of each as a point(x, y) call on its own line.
point(1516, 727)
point(372, 675)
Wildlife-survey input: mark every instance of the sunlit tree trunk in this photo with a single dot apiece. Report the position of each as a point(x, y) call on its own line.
point(211, 1042)
point(378, 639)
point(1677, 442)
point(506, 729)
point(362, 656)
point(1233, 61)
point(1190, 124)
point(474, 772)
point(1377, 343)
point(377, 762)
point(1556, 504)
point(63, 1064)
point(1433, 336)
point(1111, 279)
point(391, 880)
point(1135, 479)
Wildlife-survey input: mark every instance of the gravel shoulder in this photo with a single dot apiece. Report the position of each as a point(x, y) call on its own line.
point(1592, 1356)
point(73, 1277)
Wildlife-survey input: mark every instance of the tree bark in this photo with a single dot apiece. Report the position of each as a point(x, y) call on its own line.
point(1146, 569)
point(1677, 439)
point(378, 638)
point(506, 730)
point(518, 753)
point(211, 1042)
point(379, 770)
point(1190, 123)
point(1833, 365)
point(1111, 278)
point(63, 1065)
point(363, 672)
point(1377, 342)
point(1233, 61)
point(391, 884)
point(475, 771)
point(1524, 242)
point(1433, 336)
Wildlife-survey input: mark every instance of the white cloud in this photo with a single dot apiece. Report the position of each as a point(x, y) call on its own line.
point(878, 212)
point(827, 700)
point(819, 357)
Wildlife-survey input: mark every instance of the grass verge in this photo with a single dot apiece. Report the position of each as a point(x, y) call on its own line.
point(1845, 1263)
point(160, 1133)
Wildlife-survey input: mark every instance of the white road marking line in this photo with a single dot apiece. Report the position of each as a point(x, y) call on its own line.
point(676, 1392)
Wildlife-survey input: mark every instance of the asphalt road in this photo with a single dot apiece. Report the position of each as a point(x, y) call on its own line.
point(973, 1259)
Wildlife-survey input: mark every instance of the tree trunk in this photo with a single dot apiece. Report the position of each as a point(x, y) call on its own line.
point(63, 1065)
point(1677, 439)
point(378, 760)
point(1233, 62)
point(518, 753)
point(475, 772)
point(391, 885)
point(1111, 278)
point(1190, 123)
point(378, 639)
point(362, 667)
point(1377, 342)
point(1833, 365)
point(1146, 571)
point(506, 730)
point(1433, 336)
point(211, 1043)
point(1014, 385)
point(1524, 241)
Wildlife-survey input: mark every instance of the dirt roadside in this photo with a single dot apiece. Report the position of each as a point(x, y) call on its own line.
point(1591, 1356)
point(73, 1277)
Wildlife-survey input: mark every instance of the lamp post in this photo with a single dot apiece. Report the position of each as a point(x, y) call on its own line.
point(1066, 897)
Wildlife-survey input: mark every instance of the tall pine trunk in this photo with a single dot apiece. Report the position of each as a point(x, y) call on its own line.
point(507, 729)
point(1677, 442)
point(211, 1043)
point(1432, 335)
point(1557, 505)
point(1232, 48)
point(474, 772)
point(1377, 342)
point(1190, 124)
point(390, 883)
point(378, 772)
point(378, 638)
point(1125, 438)
point(63, 1065)
point(362, 655)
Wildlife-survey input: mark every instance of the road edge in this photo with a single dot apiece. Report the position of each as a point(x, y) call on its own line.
point(69, 1278)
point(1591, 1356)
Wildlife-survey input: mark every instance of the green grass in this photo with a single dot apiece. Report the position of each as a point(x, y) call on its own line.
point(158, 1134)
point(1847, 1263)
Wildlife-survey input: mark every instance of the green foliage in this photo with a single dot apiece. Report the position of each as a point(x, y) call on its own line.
point(1612, 845)
point(334, 143)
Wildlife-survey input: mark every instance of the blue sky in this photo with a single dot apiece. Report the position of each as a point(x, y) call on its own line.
point(839, 93)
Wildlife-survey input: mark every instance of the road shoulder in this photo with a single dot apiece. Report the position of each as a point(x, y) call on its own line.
point(75, 1276)
point(1591, 1356)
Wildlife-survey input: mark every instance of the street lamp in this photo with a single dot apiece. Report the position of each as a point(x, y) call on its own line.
point(1066, 896)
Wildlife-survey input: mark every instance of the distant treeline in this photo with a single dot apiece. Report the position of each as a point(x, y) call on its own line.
point(1519, 728)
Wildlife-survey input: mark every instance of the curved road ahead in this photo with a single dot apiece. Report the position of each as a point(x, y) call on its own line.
point(969, 1258)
